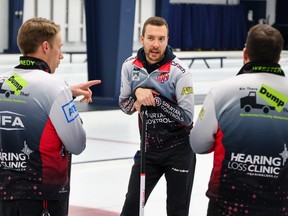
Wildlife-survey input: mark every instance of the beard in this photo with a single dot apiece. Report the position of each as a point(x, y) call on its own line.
point(154, 56)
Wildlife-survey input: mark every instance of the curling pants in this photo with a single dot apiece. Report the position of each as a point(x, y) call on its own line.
point(178, 166)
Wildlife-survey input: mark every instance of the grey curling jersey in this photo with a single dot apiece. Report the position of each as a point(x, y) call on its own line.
point(39, 123)
point(170, 121)
point(244, 121)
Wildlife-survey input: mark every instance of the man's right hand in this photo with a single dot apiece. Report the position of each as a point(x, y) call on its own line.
point(83, 89)
point(145, 96)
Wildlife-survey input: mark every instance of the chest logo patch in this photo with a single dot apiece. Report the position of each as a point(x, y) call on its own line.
point(135, 76)
point(163, 77)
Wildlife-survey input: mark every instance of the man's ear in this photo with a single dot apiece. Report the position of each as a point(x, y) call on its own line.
point(245, 56)
point(142, 39)
point(45, 46)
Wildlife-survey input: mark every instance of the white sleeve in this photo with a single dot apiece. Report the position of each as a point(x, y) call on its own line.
point(67, 122)
point(202, 136)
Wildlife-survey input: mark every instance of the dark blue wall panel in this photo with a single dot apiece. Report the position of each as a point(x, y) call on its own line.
point(109, 27)
point(15, 21)
point(207, 27)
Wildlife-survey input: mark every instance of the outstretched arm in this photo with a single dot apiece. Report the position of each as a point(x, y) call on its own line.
point(83, 89)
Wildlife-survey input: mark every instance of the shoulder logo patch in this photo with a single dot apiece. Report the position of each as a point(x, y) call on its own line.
point(187, 90)
point(70, 111)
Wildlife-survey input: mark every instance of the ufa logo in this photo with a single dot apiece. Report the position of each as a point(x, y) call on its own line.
point(11, 121)
point(163, 77)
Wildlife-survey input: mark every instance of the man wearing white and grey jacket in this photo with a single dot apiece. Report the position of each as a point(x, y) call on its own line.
point(40, 125)
point(244, 121)
point(157, 79)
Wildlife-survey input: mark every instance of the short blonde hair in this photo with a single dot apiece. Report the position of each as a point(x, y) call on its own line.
point(35, 31)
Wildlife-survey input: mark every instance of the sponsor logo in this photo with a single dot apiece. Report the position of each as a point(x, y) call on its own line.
point(180, 170)
point(135, 75)
point(11, 121)
point(15, 161)
point(12, 100)
point(4, 91)
point(163, 77)
point(173, 63)
point(201, 113)
point(168, 109)
point(258, 165)
point(16, 83)
point(273, 97)
point(63, 190)
point(187, 90)
point(70, 111)
point(157, 118)
point(250, 102)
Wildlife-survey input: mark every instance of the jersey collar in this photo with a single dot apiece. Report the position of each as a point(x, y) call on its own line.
point(28, 62)
point(258, 67)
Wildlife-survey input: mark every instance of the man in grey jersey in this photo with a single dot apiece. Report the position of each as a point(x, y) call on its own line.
point(157, 79)
point(41, 128)
point(244, 121)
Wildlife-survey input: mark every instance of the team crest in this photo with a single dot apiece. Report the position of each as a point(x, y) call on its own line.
point(163, 77)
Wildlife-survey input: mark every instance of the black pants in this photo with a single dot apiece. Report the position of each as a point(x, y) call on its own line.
point(178, 166)
point(32, 208)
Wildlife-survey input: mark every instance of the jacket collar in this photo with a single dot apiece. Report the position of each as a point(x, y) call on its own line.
point(162, 66)
point(28, 62)
point(258, 67)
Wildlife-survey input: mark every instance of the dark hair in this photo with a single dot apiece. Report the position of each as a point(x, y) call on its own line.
point(155, 21)
point(264, 43)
